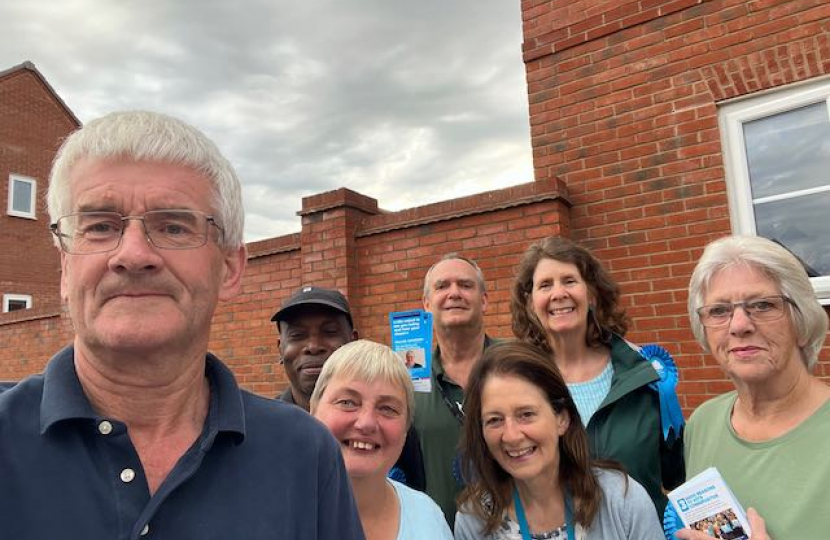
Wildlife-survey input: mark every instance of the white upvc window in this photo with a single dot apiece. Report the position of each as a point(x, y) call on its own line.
point(22, 196)
point(13, 302)
point(777, 157)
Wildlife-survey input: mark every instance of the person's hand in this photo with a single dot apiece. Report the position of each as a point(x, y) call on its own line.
point(689, 534)
point(756, 523)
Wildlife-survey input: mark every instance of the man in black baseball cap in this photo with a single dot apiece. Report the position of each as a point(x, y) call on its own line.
point(313, 323)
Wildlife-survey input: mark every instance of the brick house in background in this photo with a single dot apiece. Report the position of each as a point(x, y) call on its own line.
point(655, 128)
point(673, 123)
point(33, 122)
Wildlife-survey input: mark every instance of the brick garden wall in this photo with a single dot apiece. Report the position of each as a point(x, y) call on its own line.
point(623, 109)
point(378, 259)
point(30, 337)
point(242, 333)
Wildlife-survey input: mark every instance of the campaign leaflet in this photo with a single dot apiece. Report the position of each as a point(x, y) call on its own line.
point(412, 341)
point(705, 503)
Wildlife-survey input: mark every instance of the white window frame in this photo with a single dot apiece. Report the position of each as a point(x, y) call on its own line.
point(731, 117)
point(11, 211)
point(8, 298)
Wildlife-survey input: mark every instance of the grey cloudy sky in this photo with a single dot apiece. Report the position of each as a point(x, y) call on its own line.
point(409, 102)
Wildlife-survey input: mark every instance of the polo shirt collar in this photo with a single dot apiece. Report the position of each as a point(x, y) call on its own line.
point(228, 404)
point(64, 398)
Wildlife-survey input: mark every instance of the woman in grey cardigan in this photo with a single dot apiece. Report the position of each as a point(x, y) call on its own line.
point(527, 455)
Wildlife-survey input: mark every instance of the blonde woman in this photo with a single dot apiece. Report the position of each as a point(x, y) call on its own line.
point(365, 397)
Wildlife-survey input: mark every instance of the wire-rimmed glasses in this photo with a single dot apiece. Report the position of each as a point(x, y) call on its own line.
point(98, 232)
point(766, 309)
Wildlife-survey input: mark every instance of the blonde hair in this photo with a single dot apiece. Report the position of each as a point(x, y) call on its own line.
point(366, 361)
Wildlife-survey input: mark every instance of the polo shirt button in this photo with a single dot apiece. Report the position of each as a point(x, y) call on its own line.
point(145, 530)
point(104, 428)
point(127, 475)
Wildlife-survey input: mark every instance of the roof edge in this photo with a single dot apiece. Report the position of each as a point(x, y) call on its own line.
point(29, 66)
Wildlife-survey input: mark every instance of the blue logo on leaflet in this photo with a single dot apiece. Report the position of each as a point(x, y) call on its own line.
point(683, 504)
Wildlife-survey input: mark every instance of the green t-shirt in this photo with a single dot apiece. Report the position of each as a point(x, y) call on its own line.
point(786, 479)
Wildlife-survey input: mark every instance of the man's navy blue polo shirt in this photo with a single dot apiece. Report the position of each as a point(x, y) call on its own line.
point(260, 469)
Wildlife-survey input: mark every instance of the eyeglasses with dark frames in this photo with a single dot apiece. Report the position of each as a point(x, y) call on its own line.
point(85, 233)
point(766, 309)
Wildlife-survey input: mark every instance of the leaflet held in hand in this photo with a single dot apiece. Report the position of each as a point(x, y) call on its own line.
point(705, 503)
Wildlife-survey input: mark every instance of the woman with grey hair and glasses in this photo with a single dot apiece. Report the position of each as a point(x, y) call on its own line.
point(365, 397)
point(753, 309)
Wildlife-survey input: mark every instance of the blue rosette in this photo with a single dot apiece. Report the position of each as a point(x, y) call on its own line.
point(671, 522)
point(671, 415)
point(397, 474)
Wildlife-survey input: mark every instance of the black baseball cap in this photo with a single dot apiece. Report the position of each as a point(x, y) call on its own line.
point(308, 295)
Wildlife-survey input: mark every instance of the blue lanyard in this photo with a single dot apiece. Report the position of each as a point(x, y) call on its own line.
point(525, 530)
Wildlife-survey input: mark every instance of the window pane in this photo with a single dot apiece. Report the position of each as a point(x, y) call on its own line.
point(22, 197)
point(801, 225)
point(15, 305)
point(789, 151)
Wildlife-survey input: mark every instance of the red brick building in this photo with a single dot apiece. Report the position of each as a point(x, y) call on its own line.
point(676, 122)
point(33, 121)
point(652, 132)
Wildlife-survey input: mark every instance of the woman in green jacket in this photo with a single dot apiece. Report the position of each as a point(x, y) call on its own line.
point(564, 302)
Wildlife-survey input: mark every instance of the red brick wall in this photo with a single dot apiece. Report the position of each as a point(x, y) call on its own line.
point(379, 260)
point(30, 337)
point(623, 109)
point(32, 125)
point(242, 333)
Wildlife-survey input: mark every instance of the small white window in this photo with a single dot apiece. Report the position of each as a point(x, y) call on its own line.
point(777, 156)
point(22, 196)
point(13, 302)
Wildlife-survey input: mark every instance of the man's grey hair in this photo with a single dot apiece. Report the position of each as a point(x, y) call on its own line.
point(155, 137)
point(365, 361)
point(780, 266)
point(482, 286)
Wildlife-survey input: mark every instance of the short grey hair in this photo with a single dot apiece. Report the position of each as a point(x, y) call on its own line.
point(150, 136)
point(366, 361)
point(780, 266)
point(451, 257)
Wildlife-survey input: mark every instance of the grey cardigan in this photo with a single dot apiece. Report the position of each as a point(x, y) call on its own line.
point(623, 515)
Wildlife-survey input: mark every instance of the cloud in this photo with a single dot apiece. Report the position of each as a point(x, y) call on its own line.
point(407, 102)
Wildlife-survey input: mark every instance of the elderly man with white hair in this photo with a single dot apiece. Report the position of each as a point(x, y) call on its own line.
point(135, 430)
